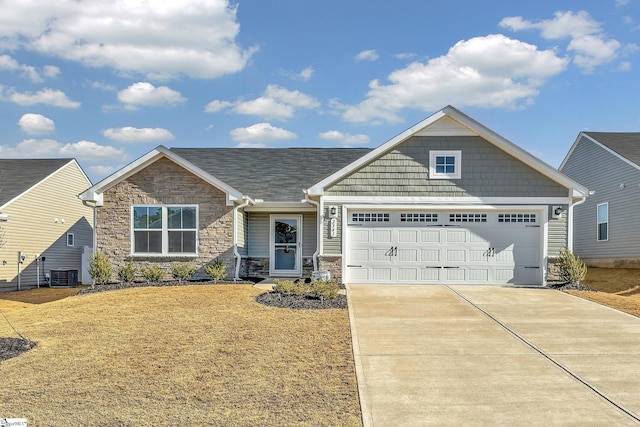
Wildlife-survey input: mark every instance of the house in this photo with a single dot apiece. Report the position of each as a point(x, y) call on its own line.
point(43, 224)
point(446, 201)
point(608, 163)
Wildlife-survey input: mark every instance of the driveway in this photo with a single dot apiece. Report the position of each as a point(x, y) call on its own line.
point(483, 355)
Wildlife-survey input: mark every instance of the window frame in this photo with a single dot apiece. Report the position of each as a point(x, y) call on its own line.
point(599, 222)
point(165, 229)
point(457, 172)
point(73, 240)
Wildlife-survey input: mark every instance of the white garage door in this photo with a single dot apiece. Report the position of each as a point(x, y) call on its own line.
point(443, 247)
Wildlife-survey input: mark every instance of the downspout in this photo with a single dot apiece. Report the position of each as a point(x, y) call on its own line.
point(95, 222)
point(319, 233)
point(236, 254)
point(570, 221)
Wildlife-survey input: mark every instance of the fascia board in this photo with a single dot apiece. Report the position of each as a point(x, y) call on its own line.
point(40, 182)
point(146, 160)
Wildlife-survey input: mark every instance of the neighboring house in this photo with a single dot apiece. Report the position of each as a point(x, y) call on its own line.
point(41, 214)
point(446, 201)
point(607, 229)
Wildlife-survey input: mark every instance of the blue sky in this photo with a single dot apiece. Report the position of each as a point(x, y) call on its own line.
point(105, 82)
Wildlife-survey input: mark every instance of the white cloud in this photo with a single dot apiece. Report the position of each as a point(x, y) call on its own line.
point(306, 74)
point(84, 151)
point(405, 55)
point(103, 86)
point(276, 103)
point(588, 43)
point(131, 134)
point(260, 133)
point(156, 38)
point(46, 96)
point(101, 170)
point(36, 124)
point(144, 94)
point(27, 71)
point(344, 138)
point(367, 55)
point(492, 71)
point(251, 145)
point(51, 71)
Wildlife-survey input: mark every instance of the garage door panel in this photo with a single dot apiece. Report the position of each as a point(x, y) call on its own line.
point(456, 255)
point(455, 236)
point(360, 236)
point(359, 255)
point(430, 274)
point(478, 255)
point(359, 274)
point(504, 275)
point(455, 275)
point(407, 236)
point(430, 236)
point(381, 236)
point(380, 255)
point(478, 275)
point(407, 274)
point(407, 255)
point(381, 274)
point(430, 255)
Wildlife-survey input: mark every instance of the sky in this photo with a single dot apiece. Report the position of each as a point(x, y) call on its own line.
point(106, 82)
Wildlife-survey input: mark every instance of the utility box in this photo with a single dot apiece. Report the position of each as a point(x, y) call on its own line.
point(64, 279)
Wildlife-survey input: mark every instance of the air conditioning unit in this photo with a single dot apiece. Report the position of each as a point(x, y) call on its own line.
point(63, 279)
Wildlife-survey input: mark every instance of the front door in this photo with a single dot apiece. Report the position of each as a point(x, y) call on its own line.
point(286, 245)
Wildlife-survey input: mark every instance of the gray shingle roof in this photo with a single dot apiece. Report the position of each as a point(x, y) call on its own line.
point(271, 174)
point(18, 175)
point(626, 144)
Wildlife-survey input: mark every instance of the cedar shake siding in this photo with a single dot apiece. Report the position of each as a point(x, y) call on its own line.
point(162, 183)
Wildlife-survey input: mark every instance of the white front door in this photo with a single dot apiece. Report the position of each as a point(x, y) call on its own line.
point(286, 245)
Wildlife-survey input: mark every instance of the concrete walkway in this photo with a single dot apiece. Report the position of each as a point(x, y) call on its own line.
point(479, 355)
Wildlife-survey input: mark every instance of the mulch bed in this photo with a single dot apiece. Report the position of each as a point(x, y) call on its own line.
point(12, 347)
point(300, 302)
point(118, 286)
point(571, 287)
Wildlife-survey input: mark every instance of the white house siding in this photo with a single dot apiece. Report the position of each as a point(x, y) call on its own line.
point(32, 228)
point(613, 181)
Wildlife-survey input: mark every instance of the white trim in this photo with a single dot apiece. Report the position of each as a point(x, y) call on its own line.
point(151, 157)
point(457, 165)
point(384, 200)
point(164, 230)
point(45, 179)
point(292, 207)
point(272, 260)
point(577, 189)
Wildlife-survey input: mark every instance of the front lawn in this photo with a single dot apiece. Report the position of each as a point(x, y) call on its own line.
point(188, 355)
point(618, 288)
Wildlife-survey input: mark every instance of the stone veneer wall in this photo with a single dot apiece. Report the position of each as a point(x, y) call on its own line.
point(332, 264)
point(164, 182)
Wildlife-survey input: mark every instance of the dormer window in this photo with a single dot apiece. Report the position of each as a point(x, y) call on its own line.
point(445, 164)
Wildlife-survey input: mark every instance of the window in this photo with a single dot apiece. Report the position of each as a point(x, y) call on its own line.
point(369, 217)
point(418, 217)
point(603, 221)
point(445, 164)
point(164, 230)
point(71, 239)
point(467, 217)
point(517, 217)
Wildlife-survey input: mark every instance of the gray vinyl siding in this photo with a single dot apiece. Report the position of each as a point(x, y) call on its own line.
point(32, 228)
point(332, 246)
point(259, 228)
point(603, 172)
point(487, 171)
point(557, 233)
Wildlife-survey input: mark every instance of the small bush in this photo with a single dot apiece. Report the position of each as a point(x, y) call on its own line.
point(127, 272)
point(324, 289)
point(216, 270)
point(287, 287)
point(182, 272)
point(152, 273)
point(571, 268)
point(100, 268)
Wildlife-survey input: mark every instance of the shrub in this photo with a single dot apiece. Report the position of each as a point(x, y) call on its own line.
point(216, 270)
point(286, 287)
point(182, 271)
point(127, 272)
point(324, 289)
point(100, 268)
point(571, 268)
point(152, 273)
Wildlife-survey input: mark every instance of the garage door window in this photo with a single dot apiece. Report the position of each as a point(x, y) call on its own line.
point(418, 217)
point(517, 217)
point(369, 217)
point(467, 217)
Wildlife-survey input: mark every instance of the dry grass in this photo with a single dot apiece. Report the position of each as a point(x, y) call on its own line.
point(191, 355)
point(618, 288)
point(40, 295)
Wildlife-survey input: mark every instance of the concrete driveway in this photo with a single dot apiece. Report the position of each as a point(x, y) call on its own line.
point(481, 355)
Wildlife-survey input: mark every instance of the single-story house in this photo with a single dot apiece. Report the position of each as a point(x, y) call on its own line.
point(446, 201)
point(44, 227)
point(608, 163)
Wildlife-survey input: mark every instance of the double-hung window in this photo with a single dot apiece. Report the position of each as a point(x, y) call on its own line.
point(603, 221)
point(445, 164)
point(164, 230)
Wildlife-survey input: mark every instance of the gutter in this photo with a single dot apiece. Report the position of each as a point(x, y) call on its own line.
point(236, 254)
point(319, 233)
point(570, 220)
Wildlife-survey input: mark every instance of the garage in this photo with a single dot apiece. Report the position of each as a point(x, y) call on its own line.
point(444, 247)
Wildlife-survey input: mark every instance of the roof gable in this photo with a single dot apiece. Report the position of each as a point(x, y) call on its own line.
point(94, 194)
point(625, 145)
point(448, 122)
point(17, 176)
